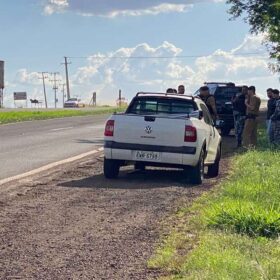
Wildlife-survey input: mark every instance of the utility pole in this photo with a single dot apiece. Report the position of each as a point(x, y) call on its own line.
point(55, 88)
point(67, 76)
point(44, 76)
point(63, 94)
point(120, 98)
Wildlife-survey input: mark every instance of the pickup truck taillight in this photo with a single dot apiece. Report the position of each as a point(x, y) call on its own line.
point(190, 134)
point(109, 128)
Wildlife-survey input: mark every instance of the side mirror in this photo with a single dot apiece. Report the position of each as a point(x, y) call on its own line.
point(219, 123)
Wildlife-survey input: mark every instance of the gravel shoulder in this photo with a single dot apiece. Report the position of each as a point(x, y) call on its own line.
point(74, 224)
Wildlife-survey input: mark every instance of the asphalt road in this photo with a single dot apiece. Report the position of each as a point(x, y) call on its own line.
point(28, 145)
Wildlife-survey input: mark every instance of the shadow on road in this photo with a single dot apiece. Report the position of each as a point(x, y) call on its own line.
point(149, 179)
point(130, 179)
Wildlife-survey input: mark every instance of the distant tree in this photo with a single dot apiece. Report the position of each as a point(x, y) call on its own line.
point(264, 17)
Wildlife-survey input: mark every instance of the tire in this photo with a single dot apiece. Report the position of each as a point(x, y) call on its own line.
point(197, 172)
point(139, 166)
point(225, 131)
point(111, 168)
point(213, 169)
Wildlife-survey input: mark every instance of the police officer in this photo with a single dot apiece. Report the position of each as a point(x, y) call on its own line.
point(252, 103)
point(270, 109)
point(239, 107)
point(274, 133)
point(210, 101)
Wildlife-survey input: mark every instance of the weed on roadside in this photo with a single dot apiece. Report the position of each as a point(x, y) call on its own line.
point(235, 227)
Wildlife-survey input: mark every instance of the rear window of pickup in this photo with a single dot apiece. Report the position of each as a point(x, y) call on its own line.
point(160, 105)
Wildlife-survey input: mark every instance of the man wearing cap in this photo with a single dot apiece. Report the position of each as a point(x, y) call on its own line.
point(252, 103)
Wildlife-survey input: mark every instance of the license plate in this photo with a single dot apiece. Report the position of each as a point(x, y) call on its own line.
point(147, 156)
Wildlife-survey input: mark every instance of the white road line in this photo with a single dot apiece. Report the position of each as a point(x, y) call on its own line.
point(47, 167)
point(62, 128)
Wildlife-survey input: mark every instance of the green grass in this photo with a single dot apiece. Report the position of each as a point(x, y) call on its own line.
point(18, 116)
point(232, 232)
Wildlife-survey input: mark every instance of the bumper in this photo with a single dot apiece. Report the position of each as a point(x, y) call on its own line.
point(184, 155)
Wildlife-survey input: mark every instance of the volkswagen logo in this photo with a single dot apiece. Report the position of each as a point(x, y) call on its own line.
point(148, 129)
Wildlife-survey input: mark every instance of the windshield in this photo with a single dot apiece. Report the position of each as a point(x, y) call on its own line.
point(159, 105)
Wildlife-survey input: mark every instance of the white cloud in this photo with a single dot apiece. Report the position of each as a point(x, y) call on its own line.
point(55, 6)
point(106, 73)
point(24, 77)
point(230, 65)
point(148, 68)
point(113, 8)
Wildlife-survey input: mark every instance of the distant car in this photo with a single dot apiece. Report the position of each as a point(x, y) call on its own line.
point(223, 93)
point(73, 103)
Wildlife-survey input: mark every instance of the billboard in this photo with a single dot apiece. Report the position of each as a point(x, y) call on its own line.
point(20, 96)
point(2, 74)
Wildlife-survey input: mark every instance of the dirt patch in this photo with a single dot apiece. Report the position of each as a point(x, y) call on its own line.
point(74, 224)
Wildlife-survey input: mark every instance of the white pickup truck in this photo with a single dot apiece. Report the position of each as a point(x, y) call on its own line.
point(163, 130)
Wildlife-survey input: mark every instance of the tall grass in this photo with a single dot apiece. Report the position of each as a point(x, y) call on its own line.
point(235, 229)
point(250, 202)
point(18, 116)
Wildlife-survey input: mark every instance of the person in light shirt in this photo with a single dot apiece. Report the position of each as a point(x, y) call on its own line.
point(252, 103)
point(181, 89)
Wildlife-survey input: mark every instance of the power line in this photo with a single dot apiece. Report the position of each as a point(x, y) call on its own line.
point(166, 57)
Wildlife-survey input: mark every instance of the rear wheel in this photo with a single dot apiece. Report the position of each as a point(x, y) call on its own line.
point(213, 169)
point(197, 172)
point(111, 168)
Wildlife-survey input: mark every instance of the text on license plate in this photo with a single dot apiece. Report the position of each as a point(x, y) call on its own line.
point(147, 156)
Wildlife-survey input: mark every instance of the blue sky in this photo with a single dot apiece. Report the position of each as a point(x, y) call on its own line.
point(36, 34)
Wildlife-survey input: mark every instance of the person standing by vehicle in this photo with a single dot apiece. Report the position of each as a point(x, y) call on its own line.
point(252, 103)
point(240, 114)
point(209, 100)
point(171, 90)
point(274, 135)
point(181, 89)
point(270, 109)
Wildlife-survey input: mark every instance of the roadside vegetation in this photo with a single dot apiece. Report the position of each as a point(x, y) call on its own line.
point(40, 114)
point(232, 232)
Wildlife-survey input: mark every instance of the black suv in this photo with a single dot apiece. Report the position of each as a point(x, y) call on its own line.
point(224, 92)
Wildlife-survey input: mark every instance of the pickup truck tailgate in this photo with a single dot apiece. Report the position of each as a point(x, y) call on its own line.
point(149, 130)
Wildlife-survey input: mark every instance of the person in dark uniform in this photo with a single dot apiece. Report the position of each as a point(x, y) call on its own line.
point(210, 101)
point(274, 133)
point(270, 109)
point(239, 107)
